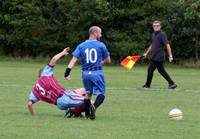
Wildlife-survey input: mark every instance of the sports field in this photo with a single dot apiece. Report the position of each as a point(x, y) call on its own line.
point(129, 112)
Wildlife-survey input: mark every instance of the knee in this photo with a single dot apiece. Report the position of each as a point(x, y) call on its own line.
point(150, 70)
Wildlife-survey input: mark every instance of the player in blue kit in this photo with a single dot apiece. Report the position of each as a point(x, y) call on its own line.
point(92, 52)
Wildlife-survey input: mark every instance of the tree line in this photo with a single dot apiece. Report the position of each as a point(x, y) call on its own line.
point(43, 27)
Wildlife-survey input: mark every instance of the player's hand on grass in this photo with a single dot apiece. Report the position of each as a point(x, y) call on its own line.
point(30, 107)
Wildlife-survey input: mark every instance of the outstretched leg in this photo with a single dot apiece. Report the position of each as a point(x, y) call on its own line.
point(163, 72)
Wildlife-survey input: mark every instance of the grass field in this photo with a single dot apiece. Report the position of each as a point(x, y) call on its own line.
point(128, 112)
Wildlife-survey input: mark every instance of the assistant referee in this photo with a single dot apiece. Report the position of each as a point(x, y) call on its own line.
point(158, 43)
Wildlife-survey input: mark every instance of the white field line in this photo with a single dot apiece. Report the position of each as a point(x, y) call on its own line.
point(14, 85)
point(113, 89)
point(158, 89)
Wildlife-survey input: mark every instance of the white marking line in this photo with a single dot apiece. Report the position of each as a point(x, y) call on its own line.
point(14, 85)
point(158, 89)
point(125, 88)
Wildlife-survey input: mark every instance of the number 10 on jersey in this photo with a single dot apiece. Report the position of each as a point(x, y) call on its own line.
point(89, 53)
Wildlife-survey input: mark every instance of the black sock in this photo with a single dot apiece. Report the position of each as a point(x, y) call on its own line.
point(99, 100)
point(87, 107)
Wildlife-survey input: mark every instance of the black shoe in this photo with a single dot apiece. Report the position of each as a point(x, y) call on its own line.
point(145, 87)
point(87, 113)
point(79, 115)
point(172, 86)
point(68, 113)
point(92, 112)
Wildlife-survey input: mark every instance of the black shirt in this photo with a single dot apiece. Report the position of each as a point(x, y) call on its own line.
point(158, 41)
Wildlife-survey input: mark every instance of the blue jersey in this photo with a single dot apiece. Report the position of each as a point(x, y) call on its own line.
point(92, 52)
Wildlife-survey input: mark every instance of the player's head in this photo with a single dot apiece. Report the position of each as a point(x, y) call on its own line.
point(40, 72)
point(156, 25)
point(80, 91)
point(95, 32)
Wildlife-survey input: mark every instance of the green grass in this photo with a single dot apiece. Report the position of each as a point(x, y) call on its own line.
point(127, 113)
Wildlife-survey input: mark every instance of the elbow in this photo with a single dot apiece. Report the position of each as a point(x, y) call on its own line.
point(109, 61)
point(54, 59)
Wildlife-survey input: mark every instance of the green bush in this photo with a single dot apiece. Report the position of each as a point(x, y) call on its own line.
point(43, 27)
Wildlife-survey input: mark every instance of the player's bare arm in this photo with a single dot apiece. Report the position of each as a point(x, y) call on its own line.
point(30, 107)
point(58, 56)
point(69, 67)
point(107, 60)
point(169, 51)
point(72, 62)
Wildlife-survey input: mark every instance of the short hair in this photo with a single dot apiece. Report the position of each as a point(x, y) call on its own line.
point(157, 21)
point(94, 30)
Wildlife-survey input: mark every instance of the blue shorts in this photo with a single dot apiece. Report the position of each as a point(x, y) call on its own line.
point(68, 100)
point(94, 82)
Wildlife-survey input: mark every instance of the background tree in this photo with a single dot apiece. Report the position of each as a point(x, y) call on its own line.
point(43, 27)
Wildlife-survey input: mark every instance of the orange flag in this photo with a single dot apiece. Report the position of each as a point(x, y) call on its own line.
point(129, 61)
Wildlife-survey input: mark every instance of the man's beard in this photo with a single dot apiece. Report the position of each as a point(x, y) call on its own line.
point(98, 38)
